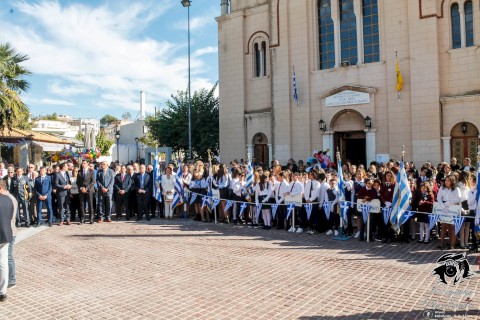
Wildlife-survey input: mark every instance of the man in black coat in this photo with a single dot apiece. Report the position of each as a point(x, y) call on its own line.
point(7, 212)
point(123, 183)
point(20, 191)
point(144, 192)
point(62, 185)
point(86, 185)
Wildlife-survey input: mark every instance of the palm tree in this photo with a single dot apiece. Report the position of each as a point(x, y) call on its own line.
point(13, 112)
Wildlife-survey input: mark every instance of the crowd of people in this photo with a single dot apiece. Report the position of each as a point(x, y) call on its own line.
point(101, 192)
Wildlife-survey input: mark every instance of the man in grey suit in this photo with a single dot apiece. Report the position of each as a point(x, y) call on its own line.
point(105, 181)
point(86, 183)
point(20, 191)
point(62, 185)
point(7, 212)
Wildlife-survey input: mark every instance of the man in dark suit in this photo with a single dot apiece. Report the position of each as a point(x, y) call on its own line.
point(86, 183)
point(55, 170)
point(20, 184)
point(144, 192)
point(132, 209)
point(62, 184)
point(105, 180)
point(43, 190)
point(9, 178)
point(123, 183)
point(7, 212)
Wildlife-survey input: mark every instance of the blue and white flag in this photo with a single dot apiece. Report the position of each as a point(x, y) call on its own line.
point(259, 209)
point(327, 207)
point(295, 93)
point(228, 205)
point(433, 219)
point(365, 211)
point(344, 205)
point(401, 198)
point(157, 179)
point(386, 214)
point(186, 195)
point(205, 201)
point(193, 197)
point(243, 206)
point(290, 208)
point(274, 210)
point(407, 215)
point(215, 203)
point(178, 194)
point(341, 183)
point(308, 209)
point(477, 196)
point(249, 178)
point(458, 220)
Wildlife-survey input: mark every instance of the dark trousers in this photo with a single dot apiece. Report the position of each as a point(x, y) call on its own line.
point(104, 205)
point(48, 203)
point(143, 202)
point(63, 202)
point(313, 221)
point(121, 203)
point(153, 206)
point(349, 226)
point(280, 216)
point(334, 220)
point(385, 230)
point(24, 205)
point(132, 204)
point(87, 199)
point(32, 208)
point(75, 207)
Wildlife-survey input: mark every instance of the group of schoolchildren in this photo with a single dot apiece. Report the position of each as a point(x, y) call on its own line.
point(318, 186)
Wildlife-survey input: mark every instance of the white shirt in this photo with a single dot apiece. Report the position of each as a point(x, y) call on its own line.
point(322, 193)
point(237, 187)
point(472, 201)
point(296, 188)
point(312, 190)
point(267, 191)
point(168, 184)
point(280, 190)
point(3, 172)
point(449, 197)
point(463, 191)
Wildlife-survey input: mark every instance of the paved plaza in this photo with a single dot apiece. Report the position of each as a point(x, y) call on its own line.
point(176, 270)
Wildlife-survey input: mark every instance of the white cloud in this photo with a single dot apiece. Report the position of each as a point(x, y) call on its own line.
point(204, 51)
point(55, 102)
point(195, 23)
point(96, 49)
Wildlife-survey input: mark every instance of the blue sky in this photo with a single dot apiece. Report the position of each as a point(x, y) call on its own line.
point(93, 57)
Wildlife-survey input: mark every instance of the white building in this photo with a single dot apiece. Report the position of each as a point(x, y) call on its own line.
point(344, 54)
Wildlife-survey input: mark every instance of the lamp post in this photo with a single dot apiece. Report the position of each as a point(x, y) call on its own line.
point(188, 3)
point(322, 125)
point(117, 136)
point(368, 122)
point(136, 141)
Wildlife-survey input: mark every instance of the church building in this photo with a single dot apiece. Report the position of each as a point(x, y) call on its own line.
point(342, 55)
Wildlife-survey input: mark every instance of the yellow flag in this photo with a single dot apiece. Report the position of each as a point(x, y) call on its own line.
point(399, 76)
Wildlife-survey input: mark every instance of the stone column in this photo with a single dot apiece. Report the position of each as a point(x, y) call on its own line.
point(446, 149)
point(270, 153)
point(463, 34)
point(336, 32)
point(370, 145)
point(359, 19)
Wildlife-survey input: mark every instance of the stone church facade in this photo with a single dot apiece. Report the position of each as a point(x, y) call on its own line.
point(343, 53)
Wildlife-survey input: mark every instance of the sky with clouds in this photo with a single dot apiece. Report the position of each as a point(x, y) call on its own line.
point(89, 58)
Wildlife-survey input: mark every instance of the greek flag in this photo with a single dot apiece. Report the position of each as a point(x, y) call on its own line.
point(249, 180)
point(432, 218)
point(215, 203)
point(308, 208)
point(401, 198)
point(327, 207)
point(157, 179)
point(290, 208)
point(386, 214)
point(193, 197)
point(344, 205)
point(365, 211)
point(458, 220)
point(178, 194)
point(295, 93)
point(243, 206)
point(274, 210)
point(407, 215)
point(228, 205)
point(341, 184)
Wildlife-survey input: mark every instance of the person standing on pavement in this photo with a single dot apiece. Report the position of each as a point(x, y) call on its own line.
point(11, 261)
point(3, 170)
point(20, 191)
point(143, 185)
point(86, 184)
point(43, 191)
point(123, 183)
point(7, 215)
point(105, 180)
point(132, 208)
point(32, 174)
point(63, 186)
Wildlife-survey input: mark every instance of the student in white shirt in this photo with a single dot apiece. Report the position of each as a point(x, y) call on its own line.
point(296, 188)
point(322, 197)
point(168, 189)
point(474, 211)
point(449, 195)
point(263, 192)
point(281, 189)
point(464, 184)
point(221, 180)
point(312, 190)
point(237, 184)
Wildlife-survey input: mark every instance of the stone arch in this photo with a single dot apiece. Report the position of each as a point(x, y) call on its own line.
point(261, 148)
point(464, 141)
point(347, 120)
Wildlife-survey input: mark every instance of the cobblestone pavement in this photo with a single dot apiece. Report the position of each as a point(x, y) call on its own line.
point(173, 270)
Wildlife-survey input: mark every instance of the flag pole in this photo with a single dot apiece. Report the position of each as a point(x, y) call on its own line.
point(397, 70)
point(295, 92)
point(341, 235)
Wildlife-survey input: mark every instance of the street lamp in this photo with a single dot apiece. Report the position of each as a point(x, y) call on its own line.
point(188, 3)
point(322, 125)
point(136, 141)
point(368, 122)
point(117, 136)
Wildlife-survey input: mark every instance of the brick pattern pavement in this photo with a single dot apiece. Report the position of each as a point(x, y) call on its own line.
point(173, 270)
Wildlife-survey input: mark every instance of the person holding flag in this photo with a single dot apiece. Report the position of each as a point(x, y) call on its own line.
point(182, 179)
point(168, 183)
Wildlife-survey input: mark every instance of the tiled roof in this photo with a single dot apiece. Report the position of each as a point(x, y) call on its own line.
point(17, 134)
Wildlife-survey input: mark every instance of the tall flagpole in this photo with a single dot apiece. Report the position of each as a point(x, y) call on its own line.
point(342, 235)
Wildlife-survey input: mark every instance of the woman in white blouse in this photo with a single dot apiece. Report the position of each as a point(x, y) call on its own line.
point(464, 184)
point(168, 189)
point(449, 195)
point(263, 192)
